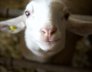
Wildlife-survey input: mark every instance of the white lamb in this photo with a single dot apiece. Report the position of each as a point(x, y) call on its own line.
point(45, 23)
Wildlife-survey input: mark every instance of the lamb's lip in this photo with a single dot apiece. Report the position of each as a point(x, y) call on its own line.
point(53, 41)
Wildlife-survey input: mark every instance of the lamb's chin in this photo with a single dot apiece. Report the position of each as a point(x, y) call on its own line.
point(49, 46)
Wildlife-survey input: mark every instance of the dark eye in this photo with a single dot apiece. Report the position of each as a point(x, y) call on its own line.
point(66, 16)
point(27, 13)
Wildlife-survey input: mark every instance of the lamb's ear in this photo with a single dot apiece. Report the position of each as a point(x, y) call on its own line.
point(80, 24)
point(13, 25)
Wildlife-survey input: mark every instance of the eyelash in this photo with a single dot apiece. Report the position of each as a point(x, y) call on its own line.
point(27, 13)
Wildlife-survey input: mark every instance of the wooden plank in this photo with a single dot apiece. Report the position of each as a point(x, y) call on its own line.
point(49, 67)
point(6, 12)
point(22, 63)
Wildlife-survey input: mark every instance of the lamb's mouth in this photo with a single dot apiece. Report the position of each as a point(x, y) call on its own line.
point(53, 41)
point(49, 45)
point(52, 45)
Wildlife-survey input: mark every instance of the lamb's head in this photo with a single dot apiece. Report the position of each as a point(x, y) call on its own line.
point(44, 22)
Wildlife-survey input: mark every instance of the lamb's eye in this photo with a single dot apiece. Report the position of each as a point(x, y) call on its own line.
point(66, 16)
point(27, 13)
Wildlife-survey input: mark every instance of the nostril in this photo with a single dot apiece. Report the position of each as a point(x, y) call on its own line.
point(53, 30)
point(44, 31)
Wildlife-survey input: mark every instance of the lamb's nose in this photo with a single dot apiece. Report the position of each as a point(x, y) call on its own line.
point(49, 31)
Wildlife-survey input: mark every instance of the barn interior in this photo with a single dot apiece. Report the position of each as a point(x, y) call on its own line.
point(10, 52)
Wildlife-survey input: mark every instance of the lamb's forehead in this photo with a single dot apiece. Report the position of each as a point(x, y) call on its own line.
point(51, 4)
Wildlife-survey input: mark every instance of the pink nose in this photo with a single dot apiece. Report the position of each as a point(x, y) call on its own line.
point(49, 31)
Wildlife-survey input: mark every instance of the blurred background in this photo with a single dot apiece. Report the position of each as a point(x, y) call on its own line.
point(9, 43)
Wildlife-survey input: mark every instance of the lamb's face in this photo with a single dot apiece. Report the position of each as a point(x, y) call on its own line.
point(45, 24)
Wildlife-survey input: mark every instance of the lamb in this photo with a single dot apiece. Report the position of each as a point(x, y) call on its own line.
point(45, 23)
